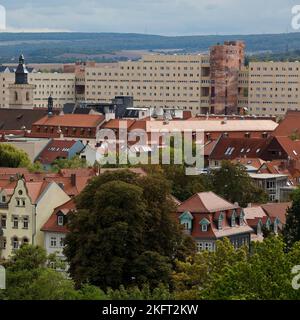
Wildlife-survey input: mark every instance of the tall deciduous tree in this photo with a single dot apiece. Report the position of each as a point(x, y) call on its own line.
point(122, 221)
point(233, 183)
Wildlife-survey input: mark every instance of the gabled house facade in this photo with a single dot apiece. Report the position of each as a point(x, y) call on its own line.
point(24, 208)
point(208, 218)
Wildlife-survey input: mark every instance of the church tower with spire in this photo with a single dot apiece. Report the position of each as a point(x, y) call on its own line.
point(21, 92)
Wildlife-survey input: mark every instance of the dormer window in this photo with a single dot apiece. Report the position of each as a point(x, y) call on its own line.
point(268, 225)
point(242, 216)
point(259, 228)
point(60, 220)
point(204, 225)
point(233, 218)
point(186, 221)
point(3, 199)
point(276, 223)
point(220, 221)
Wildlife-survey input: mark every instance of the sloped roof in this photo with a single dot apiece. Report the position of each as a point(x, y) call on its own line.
point(289, 125)
point(275, 210)
point(56, 149)
point(16, 119)
point(206, 202)
point(51, 225)
point(292, 148)
point(233, 148)
point(71, 120)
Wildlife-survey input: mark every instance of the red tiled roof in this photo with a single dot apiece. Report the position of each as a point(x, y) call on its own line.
point(292, 148)
point(206, 202)
point(56, 149)
point(116, 123)
point(71, 120)
point(51, 225)
point(288, 126)
point(275, 210)
point(233, 148)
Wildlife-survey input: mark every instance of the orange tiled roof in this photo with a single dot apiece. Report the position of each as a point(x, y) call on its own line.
point(51, 225)
point(71, 120)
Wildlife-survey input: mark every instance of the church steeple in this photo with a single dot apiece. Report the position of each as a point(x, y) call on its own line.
point(21, 72)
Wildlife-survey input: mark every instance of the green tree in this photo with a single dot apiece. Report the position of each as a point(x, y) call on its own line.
point(184, 186)
point(229, 274)
point(233, 183)
point(74, 163)
point(123, 220)
point(12, 157)
point(291, 230)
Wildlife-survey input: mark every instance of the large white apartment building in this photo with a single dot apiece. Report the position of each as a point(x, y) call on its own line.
point(180, 81)
point(202, 83)
point(60, 85)
point(274, 87)
point(199, 83)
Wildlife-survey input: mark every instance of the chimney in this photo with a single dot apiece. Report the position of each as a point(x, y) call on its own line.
point(73, 179)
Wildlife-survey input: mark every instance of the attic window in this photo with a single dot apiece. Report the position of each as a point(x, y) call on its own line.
point(220, 221)
point(295, 153)
point(258, 151)
point(229, 151)
point(242, 150)
point(60, 220)
point(248, 150)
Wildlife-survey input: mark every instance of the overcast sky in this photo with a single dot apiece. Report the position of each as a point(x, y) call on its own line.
point(167, 17)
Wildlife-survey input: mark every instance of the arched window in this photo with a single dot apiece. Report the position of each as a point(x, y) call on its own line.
point(16, 96)
point(25, 241)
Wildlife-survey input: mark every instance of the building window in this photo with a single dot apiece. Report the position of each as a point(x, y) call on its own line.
point(60, 220)
point(259, 229)
point(62, 242)
point(204, 246)
point(3, 243)
point(15, 243)
point(204, 227)
point(3, 222)
point(3, 199)
point(25, 241)
point(233, 219)
point(25, 223)
point(220, 221)
point(242, 221)
point(53, 242)
point(15, 223)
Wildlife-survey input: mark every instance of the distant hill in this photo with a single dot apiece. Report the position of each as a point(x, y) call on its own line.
point(59, 47)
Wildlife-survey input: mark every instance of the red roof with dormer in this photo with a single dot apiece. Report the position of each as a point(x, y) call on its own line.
point(52, 224)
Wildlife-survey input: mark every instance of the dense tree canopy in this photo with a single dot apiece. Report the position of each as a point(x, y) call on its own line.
point(229, 274)
point(291, 231)
point(12, 157)
point(233, 183)
point(124, 229)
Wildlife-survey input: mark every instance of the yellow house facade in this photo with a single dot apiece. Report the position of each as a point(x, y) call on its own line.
point(24, 208)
